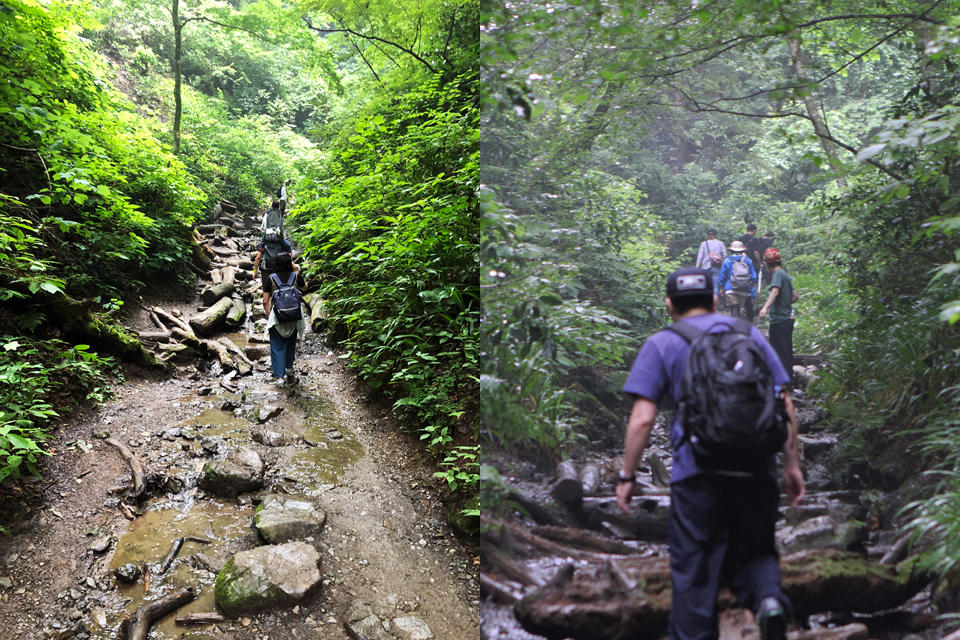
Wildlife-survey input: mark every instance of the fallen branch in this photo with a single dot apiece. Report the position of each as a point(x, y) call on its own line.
point(500, 591)
point(172, 554)
point(136, 468)
point(200, 618)
point(137, 625)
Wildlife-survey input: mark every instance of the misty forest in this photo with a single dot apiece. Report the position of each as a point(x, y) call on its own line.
point(614, 136)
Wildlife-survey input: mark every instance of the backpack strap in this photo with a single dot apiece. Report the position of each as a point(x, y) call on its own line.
point(690, 333)
point(293, 277)
point(276, 280)
point(741, 326)
point(686, 331)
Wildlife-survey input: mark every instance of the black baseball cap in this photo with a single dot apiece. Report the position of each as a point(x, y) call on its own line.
point(690, 281)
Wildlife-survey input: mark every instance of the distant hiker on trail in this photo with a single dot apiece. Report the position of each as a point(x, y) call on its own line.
point(723, 488)
point(285, 324)
point(760, 245)
point(272, 246)
point(282, 195)
point(711, 255)
point(272, 218)
point(780, 305)
point(738, 280)
point(748, 238)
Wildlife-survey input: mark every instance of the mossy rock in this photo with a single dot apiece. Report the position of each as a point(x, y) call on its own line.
point(835, 580)
point(267, 577)
point(464, 525)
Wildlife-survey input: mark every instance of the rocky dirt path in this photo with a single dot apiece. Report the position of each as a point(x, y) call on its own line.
point(571, 565)
point(83, 554)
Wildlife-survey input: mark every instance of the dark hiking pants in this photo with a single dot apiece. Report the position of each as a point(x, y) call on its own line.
point(781, 339)
point(721, 528)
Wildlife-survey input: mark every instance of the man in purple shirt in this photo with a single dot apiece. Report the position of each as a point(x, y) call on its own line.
point(721, 521)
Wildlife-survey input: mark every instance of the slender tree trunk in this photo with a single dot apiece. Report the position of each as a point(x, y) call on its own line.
point(819, 125)
point(177, 51)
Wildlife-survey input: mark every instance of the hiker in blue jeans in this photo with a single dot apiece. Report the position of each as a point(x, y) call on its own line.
point(721, 520)
point(283, 335)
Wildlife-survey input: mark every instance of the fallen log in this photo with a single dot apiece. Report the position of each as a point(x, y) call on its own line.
point(224, 251)
point(212, 318)
point(202, 256)
point(247, 364)
point(225, 287)
point(216, 275)
point(500, 591)
point(567, 488)
point(154, 336)
point(590, 478)
point(136, 468)
point(510, 568)
point(543, 512)
point(318, 312)
point(237, 313)
point(648, 519)
point(658, 471)
point(200, 618)
point(582, 539)
point(517, 535)
point(137, 625)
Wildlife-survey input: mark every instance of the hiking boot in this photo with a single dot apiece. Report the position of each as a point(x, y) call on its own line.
point(292, 378)
point(772, 619)
point(279, 382)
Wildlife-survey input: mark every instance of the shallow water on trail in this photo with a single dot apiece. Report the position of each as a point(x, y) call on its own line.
point(315, 463)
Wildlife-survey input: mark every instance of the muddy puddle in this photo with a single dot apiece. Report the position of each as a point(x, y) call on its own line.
point(323, 449)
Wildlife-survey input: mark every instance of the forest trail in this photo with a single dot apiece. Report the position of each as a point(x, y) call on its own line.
point(574, 565)
point(387, 556)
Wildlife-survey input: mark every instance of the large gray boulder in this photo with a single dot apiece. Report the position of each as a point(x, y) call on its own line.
point(286, 518)
point(241, 471)
point(266, 577)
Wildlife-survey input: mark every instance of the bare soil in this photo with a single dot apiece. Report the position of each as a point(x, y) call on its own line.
point(386, 541)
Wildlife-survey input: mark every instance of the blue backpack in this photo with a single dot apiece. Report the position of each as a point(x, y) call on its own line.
point(286, 298)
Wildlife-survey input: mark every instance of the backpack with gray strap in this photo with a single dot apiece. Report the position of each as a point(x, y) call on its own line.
point(740, 280)
point(730, 411)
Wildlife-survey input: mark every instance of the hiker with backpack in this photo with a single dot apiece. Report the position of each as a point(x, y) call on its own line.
point(779, 304)
point(285, 325)
point(272, 218)
point(734, 412)
point(282, 195)
point(272, 245)
point(738, 280)
point(711, 255)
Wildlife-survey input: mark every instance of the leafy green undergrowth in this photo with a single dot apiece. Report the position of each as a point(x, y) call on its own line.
point(389, 233)
point(38, 380)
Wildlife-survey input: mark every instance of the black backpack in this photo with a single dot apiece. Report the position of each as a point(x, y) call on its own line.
point(728, 407)
point(286, 298)
point(280, 192)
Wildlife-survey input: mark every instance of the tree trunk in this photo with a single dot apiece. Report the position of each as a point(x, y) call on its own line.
point(567, 488)
point(237, 313)
point(225, 287)
point(819, 126)
point(177, 55)
point(206, 322)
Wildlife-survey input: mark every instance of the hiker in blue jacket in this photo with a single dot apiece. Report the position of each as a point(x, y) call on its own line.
point(721, 520)
point(737, 286)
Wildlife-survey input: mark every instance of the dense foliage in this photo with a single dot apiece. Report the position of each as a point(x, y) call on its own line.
point(390, 230)
point(833, 125)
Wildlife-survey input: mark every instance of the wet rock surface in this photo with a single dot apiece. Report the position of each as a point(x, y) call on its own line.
point(285, 518)
point(267, 577)
point(241, 471)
